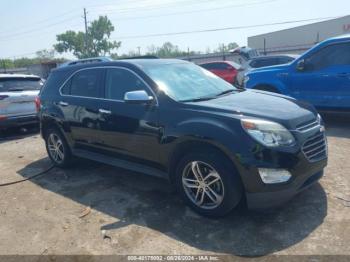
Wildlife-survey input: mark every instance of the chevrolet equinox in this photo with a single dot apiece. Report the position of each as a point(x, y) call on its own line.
point(218, 145)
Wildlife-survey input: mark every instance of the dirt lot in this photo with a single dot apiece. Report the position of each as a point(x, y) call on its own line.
point(135, 214)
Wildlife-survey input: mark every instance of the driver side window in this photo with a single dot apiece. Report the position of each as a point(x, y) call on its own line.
point(120, 81)
point(336, 54)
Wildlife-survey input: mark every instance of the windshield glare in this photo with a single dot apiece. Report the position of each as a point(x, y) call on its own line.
point(187, 81)
point(25, 84)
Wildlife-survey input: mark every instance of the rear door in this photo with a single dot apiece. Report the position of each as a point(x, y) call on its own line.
point(80, 100)
point(17, 95)
point(325, 81)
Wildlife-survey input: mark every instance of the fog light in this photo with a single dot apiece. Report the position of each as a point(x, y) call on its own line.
point(274, 176)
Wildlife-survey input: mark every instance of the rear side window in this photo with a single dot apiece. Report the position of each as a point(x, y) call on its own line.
point(216, 66)
point(285, 60)
point(121, 81)
point(266, 62)
point(208, 66)
point(20, 84)
point(86, 83)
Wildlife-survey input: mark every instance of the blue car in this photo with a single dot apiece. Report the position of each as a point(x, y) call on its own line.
point(321, 76)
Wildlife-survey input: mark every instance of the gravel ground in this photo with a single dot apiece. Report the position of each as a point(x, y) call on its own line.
point(98, 209)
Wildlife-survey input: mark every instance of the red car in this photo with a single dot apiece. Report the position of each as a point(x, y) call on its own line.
point(227, 70)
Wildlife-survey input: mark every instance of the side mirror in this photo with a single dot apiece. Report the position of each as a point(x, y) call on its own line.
point(301, 65)
point(138, 97)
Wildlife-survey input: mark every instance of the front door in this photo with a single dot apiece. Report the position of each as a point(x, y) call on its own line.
point(128, 129)
point(325, 80)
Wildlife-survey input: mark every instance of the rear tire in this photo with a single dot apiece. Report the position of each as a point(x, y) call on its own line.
point(218, 190)
point(57, 148)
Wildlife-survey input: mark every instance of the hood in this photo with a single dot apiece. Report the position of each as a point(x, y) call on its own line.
point(264, 105)
point(270, 68)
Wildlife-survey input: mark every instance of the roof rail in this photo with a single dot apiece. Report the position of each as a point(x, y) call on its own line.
point(87, 60)
point(142, 57)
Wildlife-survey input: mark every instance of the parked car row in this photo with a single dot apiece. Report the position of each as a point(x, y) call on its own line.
point(321, 76)
point(234, 73)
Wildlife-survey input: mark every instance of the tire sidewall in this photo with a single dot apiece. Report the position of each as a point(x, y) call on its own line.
point(66, 150)
point(232, 185)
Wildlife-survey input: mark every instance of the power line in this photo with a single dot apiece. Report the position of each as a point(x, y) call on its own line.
point(40, 21)
point(39, 29)
point(195, 11)
point(222, 29)
point(73, 18)
point(153, 7)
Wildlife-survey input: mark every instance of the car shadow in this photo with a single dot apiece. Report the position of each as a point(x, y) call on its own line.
point(17, 133)
point(337, 125)
point(136, 199)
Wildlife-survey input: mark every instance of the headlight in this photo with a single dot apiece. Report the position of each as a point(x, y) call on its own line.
point(268, 133)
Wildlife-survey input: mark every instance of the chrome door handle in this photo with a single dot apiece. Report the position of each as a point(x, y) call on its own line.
point(63, 103)
point(103, 111)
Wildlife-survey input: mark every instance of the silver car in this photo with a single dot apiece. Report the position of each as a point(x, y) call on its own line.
point(18, 95)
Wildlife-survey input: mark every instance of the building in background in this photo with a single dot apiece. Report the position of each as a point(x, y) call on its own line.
point(299, 39)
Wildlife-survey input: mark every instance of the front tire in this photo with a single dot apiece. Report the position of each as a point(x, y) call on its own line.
point(208, 183)
point(57, 148)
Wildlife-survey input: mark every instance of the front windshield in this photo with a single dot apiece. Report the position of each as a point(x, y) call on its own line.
point(187, 81)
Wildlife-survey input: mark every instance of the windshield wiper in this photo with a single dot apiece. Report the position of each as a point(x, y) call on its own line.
point(227, 92)
point(205, 98)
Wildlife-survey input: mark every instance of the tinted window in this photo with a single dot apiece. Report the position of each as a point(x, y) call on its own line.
point(216, 66)
point(20, 84)
point(338, 54)
point(121, 81)
point(285, 60)
point(86, 83)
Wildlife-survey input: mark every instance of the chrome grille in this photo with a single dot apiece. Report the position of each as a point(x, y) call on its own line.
point(308, 125)
point(315, 148)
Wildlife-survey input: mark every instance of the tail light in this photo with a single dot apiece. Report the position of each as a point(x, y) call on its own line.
point(2, 97)
point(37, 104)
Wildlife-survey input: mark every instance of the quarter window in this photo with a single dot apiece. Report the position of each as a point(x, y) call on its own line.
point(121, 81)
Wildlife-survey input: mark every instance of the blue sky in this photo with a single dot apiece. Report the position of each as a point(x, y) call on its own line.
point(27, 26)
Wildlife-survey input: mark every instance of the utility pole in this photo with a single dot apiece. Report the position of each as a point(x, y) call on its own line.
point(139, 48)
point(86, 32)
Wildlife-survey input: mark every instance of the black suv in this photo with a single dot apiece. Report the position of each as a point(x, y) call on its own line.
point(218, 145)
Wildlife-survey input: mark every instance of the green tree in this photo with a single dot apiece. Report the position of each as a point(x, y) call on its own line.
point(6, 64)
point(45, 54)
point(95, 43)
point(226, 48)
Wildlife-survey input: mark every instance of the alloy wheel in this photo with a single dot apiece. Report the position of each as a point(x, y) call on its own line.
point(203, 185)
point(55, 147)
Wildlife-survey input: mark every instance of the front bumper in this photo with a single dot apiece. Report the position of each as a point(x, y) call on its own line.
point(265, 200)
point(14, 121)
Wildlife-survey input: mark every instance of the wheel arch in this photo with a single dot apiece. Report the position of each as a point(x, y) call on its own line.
point(193, 145)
